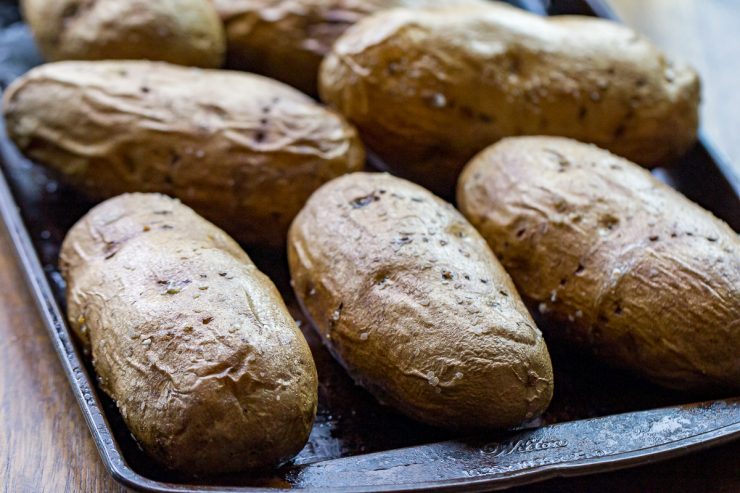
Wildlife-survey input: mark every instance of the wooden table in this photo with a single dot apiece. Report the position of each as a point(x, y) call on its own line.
point(705, 33)
point(45, 444)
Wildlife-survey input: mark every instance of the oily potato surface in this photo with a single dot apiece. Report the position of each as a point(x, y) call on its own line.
point(189, 338)
point(242, 150)
point(287, 39)
point(429, 89)
point(186, 32)
point(410, 299)
point(624, 265)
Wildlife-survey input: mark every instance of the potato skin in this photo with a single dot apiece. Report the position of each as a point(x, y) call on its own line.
point(186, 32)
point(244, 151)
point(625, 265)
point(195, 345)
point(287, 39)
point(428, 90)
point(412, 302)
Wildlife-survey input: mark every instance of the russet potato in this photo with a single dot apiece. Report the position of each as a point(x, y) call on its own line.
point(429, 89)
point(409, 298)
point(193, 343)
point(186, 32)
point(622, 264)
point(242, 150)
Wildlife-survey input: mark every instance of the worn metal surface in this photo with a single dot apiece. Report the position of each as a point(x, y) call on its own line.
point(357, 444)
point(579, 446)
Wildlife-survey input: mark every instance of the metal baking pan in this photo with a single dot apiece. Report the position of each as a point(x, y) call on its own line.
point(600, 419)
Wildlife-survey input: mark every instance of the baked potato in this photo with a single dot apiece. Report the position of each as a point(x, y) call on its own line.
point(411, 301)
point(622, 264)
point(287, 39)
point(429, 89)
point(242, 150)
point(186, 32)
point(192, 342)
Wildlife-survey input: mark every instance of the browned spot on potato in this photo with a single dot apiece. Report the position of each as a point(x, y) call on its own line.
point(620, 130)
point(608, 221)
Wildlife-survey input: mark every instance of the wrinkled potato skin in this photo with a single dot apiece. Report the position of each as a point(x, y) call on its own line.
point(185, 32)
point(410, 299)
point(287, 39)
point(624, 265)
point(428, 90)
point(244, 151)
point(226, 380)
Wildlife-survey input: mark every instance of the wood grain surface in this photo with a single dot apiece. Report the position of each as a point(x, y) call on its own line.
point(706, 34)
point(45, 445)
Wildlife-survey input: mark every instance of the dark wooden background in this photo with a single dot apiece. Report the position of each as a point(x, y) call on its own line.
point(45, 445)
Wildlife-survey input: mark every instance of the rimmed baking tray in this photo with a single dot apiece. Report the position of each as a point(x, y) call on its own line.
point(600, 419)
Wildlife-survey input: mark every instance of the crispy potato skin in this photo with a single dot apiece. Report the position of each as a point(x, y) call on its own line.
point(194, 344)
point(244, 151)
point(428, 90)
point(287, 39)
point(186, 32)
point(410, 299)
point(624, 265)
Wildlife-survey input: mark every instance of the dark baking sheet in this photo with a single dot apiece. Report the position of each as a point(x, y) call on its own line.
point(600, 419)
